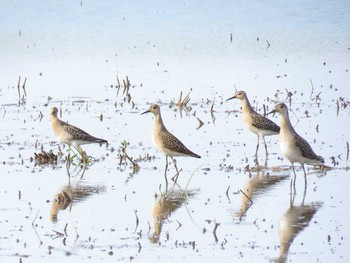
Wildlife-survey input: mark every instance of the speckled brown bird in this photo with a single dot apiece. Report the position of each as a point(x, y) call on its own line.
point(70, 134)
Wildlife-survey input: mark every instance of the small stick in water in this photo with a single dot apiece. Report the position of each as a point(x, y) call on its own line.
point(18, 87)
point(24, 87)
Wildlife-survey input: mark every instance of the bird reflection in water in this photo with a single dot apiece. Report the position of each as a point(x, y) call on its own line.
point(61, 202)
point(72, 194)
point(164, 205)
point(292, 222)
point(256, 186)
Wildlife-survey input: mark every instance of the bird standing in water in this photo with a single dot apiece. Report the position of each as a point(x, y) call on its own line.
point(70, 134)
point(295, 148)
point(255, 122)
point(166, 142)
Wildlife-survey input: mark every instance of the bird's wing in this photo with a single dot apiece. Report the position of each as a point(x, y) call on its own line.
point(261, 122)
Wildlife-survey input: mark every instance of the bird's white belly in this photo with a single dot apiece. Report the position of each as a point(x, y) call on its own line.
point(156, 141)
point(62, 136)
point(290, 151)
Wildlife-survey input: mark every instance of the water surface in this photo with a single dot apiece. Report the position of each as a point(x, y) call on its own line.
point(73, 52)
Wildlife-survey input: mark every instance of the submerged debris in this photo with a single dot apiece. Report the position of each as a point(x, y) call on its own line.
point(182, 103)
point(63, 199)
point(201, 123)
point(342, 103)
point(44, 157)
point(21, 99)
point(123, 156)
point(126, 90)
point(145, 157)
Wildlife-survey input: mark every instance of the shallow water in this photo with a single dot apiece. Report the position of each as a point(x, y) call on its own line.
point(73, 52)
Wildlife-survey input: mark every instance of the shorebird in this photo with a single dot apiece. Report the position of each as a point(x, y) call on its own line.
point(166, 142)
point(295, 148)
point(255, 122)
point(70, 134)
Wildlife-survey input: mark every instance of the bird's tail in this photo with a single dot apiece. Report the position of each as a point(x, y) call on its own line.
point(195, 155)
point(321, 158)
point(102, 141)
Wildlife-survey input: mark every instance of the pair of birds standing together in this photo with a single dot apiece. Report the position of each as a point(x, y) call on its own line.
point(292, 145)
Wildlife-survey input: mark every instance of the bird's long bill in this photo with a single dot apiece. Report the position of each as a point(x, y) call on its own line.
point(271, 112)
point(231, 98)
point(147, 111)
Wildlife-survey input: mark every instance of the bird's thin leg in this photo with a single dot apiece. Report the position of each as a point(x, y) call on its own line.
point(68, 161)
point(80, 151)
point(166, 165)
point(174, 161)
point(322, 169)
point(177, 171)
point(292, 195)
point(256, 153)
point(266, 153)
point(295, 177)
point(84, 156)
point(166, 168)
point(257, 147)
point(304, 195)
point(304, 174)
point(69, 152)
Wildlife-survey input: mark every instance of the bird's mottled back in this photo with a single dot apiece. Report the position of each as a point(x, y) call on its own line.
point(174, 145)
point(306, 149)
point(261, 122)
point(71, 134)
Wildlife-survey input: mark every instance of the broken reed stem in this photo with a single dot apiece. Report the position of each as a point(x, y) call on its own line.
point(140, 247)
point(124, 83)
point(35, 219)
point(18, 87)
point(24, 87)
point(216, 227)
point(126, 90)
point(180, 99)
point(135, 166)
point(182, 103)
point(65, 229)
point(337, 107)
point(200, 123)
point(228, 188)
point(212, 107)
point(251, 201)
point(118, 85)
point(118, 82)
point(214, 231)
point(127, 82)
point(347, 150)
point(312, 90)
point(180, 225)
point(268, 44)
point(227, 192)
point(186, 100)
point(212, 111)
point(137, 220)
